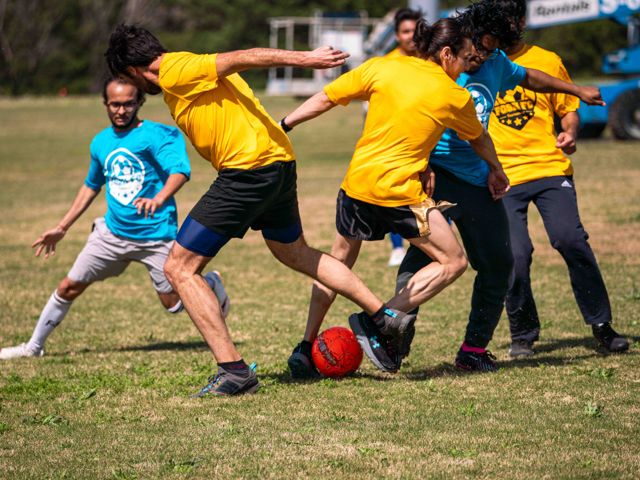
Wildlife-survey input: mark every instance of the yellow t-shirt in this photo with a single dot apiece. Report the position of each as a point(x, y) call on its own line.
point(523, 130)
point(411, 103)
point(221, 116)
point(395, 53)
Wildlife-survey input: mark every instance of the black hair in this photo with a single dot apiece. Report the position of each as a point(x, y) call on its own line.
point(430, 39)
point(406, 14)
point(132, 46)
point(495, 18)
point(109, 79)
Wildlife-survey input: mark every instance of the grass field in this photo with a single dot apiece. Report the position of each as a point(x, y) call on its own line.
point(110, 398)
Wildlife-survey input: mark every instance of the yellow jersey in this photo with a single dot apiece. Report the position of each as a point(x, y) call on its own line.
point(221, 116)
point(411, 103)
point(523, 128)
point(395, 53)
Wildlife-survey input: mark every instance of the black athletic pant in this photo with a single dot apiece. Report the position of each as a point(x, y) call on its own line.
point(482, 223)
point(555, 198)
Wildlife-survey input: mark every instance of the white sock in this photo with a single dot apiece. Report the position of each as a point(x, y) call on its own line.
point(52, 314)
point(177, 308)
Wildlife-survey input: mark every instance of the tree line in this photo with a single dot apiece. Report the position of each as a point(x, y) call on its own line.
point(49, 47)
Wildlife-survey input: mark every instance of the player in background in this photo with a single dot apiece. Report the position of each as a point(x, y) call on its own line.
point(540, 172)
point(461, 177)
point(255, 187)
point(383, 191)
point(143, 164)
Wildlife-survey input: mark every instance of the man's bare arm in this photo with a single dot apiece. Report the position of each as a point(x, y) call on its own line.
point(48, 240)
point(567, 138)
point(240, 60)
point(313, 107)
point(543, 83)
point(497, 182)
point(174, 182)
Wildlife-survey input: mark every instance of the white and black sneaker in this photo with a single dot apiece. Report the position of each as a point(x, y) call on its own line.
point(19, 351)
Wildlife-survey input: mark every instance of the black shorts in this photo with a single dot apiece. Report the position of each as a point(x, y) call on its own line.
point(365, 221)
point(263, 198)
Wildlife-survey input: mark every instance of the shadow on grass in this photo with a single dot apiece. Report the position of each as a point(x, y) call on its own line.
point(177, 346)
point(586, 342)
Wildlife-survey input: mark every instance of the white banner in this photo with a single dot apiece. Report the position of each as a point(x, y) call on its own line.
point(549, 12)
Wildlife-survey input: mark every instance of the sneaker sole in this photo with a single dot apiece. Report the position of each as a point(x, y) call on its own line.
point(299, 370)
point(364, 343)
point(521, 355)
point(466, 368)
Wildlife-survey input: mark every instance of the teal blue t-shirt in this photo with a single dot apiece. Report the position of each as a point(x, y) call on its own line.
point(497, 74)
point(136, 164)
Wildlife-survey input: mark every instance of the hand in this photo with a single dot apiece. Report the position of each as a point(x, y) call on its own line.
point(149, 205)
point(48, 240)
point(325, 57)
point(428, 179)
point(498, 184)
point(566, 142)
point(591, 96)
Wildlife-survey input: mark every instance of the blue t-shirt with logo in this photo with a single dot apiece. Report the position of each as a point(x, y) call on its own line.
point(497, 74)
point(136, 164)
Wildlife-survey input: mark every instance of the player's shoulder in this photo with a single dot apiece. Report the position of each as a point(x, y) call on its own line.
point(101, 137)
point(542, 54)
point(159, 128)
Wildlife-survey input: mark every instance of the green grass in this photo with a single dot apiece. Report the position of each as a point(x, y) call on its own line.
point(109, 400)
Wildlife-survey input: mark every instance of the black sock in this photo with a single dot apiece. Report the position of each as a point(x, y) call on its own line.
point(305, 348)
point(378, 317)
point(236, 367)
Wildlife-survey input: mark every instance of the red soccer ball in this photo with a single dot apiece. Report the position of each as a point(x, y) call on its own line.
point(336, 352)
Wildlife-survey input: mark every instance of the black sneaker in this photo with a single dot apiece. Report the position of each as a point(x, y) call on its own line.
point(521, 348)
point(396, 323)
point(227, 382)
point(379, 348)
point(301, 364)
point(476, 362)
point(611, 340)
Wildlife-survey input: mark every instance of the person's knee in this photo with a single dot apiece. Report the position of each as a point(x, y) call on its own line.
point(566, 242)
point(70, 289)
point(459, 266)
point(175, 271)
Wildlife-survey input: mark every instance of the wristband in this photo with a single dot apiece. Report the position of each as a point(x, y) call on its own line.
point(284, 126)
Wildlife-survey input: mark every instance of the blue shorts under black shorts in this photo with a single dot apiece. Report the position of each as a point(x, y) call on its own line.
point(263, 198)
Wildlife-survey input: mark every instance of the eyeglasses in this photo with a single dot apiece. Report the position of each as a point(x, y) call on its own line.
point(128, 106)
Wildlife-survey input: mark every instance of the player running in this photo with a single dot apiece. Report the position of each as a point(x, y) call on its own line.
point(382, 191)
point(539, 170)
point(462, 177)
point(255, 187)
point(143, 164)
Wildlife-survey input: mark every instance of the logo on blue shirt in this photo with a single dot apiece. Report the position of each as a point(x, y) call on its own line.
point(125, 174)
point(483, 101)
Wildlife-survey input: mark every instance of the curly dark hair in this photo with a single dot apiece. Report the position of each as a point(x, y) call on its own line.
point(132, 46)
point(498, 18)
point(405, 14)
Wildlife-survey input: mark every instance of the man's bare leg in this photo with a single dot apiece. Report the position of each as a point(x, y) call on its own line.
point(449, 262)
point(183, 270)
point(345, 250)
point(329, 271)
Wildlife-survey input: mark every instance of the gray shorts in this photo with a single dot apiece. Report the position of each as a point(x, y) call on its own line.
point(107, 255)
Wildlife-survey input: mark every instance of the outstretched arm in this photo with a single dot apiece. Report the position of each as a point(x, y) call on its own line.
point(314, 106)
point(543, 83)
point(48, 240)
point(497, 182)
point(174, 182)
point(239, 60)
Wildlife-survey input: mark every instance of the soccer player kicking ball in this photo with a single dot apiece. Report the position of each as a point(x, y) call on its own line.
point(382, 191)
point(143, 164)
point(536, 162)
point(255, 187)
